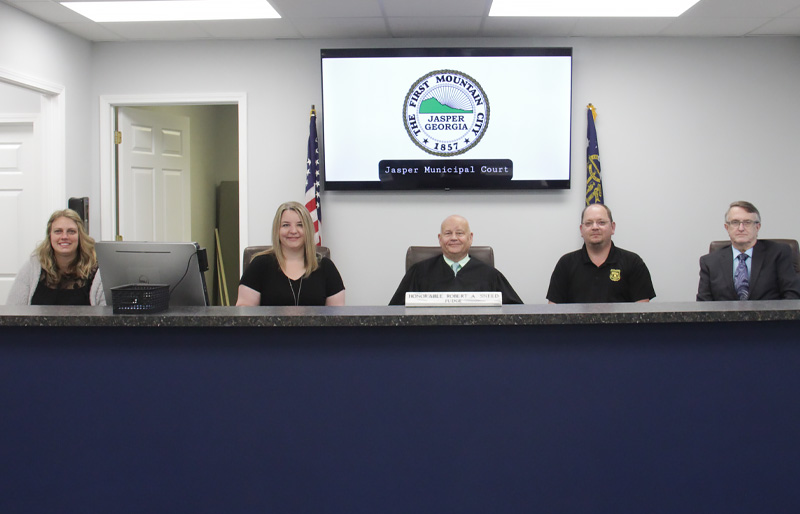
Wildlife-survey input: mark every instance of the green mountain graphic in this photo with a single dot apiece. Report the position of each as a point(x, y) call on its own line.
point(432, 106)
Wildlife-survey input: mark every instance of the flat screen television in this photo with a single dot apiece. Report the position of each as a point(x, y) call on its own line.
point(446, 118)
point(179, 265)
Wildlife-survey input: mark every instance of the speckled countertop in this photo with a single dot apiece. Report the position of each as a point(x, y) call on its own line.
point(381, 316)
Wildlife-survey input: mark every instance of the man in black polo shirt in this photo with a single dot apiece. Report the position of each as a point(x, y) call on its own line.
point(600, 272)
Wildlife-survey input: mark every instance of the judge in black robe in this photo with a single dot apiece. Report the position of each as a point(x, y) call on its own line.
point(434, 275)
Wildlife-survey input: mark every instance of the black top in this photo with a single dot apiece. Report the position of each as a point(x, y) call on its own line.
point(68, 292)
point(265, 276)
point(434, 275)
point(624, 277)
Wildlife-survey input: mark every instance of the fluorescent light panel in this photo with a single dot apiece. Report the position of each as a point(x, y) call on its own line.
point(174, 10)
point(591, 8)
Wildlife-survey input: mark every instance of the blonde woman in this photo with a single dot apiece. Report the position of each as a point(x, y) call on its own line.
point(63, 268)
point(291, 272)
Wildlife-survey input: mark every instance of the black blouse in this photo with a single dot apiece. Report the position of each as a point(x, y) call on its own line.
point(68, 292)
point(265, 276)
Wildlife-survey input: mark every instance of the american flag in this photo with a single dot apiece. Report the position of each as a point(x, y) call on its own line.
point(313, 202)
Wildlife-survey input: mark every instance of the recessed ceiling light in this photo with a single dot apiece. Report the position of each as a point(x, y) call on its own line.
point(174, 10)
point(591, 8)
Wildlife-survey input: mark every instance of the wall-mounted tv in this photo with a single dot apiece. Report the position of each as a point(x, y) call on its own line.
point(446, 118)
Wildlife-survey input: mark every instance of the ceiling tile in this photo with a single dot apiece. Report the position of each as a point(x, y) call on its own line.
point(249, 29)
point(602, 27)
point(435, 8)
point(741, 8)
point(163, 30)
point(91, 31)
point(504, 26)
point(718, 27)
point(53, 12)
point(327, 8)
point(779, 27)
point(342, 28)
point(435, 27)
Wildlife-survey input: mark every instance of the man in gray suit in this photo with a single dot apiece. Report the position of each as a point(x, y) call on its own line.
point(747, 269)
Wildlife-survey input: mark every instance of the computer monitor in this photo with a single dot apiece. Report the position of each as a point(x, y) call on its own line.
point(179, 265)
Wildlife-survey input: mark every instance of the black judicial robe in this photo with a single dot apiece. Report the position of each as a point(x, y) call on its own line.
point(434, 275)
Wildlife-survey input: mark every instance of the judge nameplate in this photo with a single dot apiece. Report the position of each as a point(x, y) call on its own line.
point(460, 299)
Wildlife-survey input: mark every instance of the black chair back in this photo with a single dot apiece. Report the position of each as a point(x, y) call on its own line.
point(716, 245)
point(414, 254)
point(252, 251)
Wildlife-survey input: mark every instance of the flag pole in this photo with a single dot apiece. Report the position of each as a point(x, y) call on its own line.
point(312, 196)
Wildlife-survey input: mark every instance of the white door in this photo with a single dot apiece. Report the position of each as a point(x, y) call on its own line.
point(153, 185)
point(21, 196)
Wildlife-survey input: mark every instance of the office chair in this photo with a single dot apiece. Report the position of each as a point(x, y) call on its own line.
point(415, 254)
point(252, 251)
point(716, 245)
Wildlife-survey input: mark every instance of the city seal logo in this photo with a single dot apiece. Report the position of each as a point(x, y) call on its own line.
point(446, 112)
point(615, 275)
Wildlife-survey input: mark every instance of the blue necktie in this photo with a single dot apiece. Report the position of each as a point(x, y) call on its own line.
point(456, 266)
point(740, 279)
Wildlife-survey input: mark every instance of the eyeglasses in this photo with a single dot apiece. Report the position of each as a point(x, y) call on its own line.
point(746, 223)
point(599, 223)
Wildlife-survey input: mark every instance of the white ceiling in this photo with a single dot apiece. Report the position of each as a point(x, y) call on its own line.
point(330, 19)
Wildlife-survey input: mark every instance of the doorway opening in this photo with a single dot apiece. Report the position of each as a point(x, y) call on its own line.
point(202, 199)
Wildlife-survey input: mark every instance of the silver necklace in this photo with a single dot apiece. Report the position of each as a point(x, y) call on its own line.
point(296, 297)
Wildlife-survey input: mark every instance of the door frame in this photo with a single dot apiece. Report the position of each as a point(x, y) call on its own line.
point(52, 141)
point(108, 103)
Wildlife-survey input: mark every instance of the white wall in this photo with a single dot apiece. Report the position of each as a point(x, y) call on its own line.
point(685, 127)
point(35, 49)
point(18, 100)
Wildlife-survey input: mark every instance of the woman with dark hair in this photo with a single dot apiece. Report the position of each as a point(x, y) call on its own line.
point(291, 272)
point(63, 268)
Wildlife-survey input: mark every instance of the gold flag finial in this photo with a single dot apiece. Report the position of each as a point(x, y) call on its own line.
point(313, 110)
point(594, 111)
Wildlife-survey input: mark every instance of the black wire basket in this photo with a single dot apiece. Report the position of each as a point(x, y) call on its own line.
point(140, 298)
